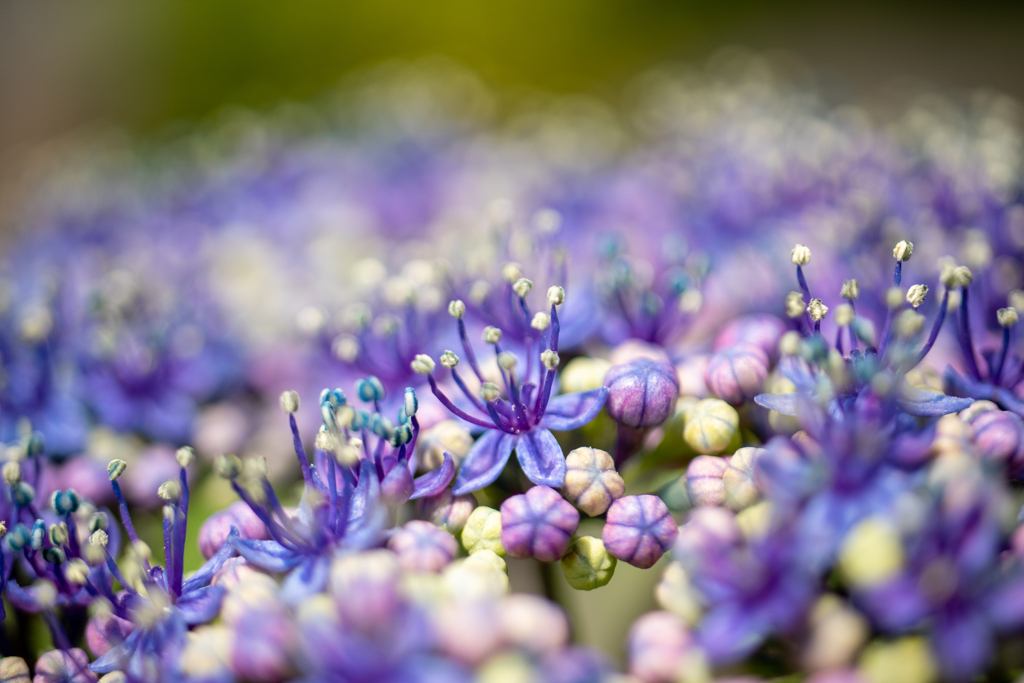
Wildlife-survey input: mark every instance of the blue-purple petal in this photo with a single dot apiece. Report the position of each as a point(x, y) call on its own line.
point(366, 493)
point(205, 574)
point(432, 483)
point(269, 555)
point(201, 605)
point(307, 579)
point(541, 458)
point(484, 462)
point(780, 403)
point(115, 657)
point(572, 411)
point(929, 404)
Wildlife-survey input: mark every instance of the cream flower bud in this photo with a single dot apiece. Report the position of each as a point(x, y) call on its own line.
point(844, 314)
point(963, 275)
point(479, 291)
point(227, 466)
point(522, 287)
point(483, 531)
point(422, 364)
point(916, 295)
point(909, 323)
point(3, 528)
point(903, 250)
point(489, 391)
point(449, 359)
point(550, 359)
point(456, 308)
point(1007, 317)
point(795, 305)
point(186, 455)
point(116, 468)
point(1015, 299)
point(817, 309)
point(289, 401)
point(801, 255)
point(492, 335)
point(99, 539)
point(511, 272)
point(541, 321)
point(556, 296)
point(76, 571)
point(851, 290)
point(507, 360)
point(789, 344)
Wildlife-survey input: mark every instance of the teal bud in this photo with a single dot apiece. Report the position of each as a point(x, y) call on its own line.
point(412, 403)
point(58, 534)
point(23, 494)
point(98, 522)
point(116, 468)
point(38, 534)
point(359, 420)
point(17, 538)
point(381, 426)
point(370, 389)
point(36, 444)
point(54, 555)
point(64, 502)
point(328, 416)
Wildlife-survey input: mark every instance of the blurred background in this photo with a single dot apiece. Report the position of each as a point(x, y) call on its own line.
point(148, 71)
point(69, 68)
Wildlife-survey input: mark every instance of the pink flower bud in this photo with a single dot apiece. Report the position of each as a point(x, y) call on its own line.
point(539, 523)
point(704, 480)
point(423, 547)
point(638, 530)
point(737, 374)
point(641, 393)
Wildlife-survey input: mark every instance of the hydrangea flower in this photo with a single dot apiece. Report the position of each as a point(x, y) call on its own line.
point(523, 420)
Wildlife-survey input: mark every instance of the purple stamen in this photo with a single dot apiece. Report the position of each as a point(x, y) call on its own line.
point(934, 334)
point(126, 518)
point(473, 399)
point(966, 343)
point(998, 372)
point(300, 451)
point(470, 356)
point(446, 402)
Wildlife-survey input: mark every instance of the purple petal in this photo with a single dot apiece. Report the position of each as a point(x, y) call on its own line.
point(432, 483)
point(729, 633)
point(201, 605)
point(115, 658)
point(572, 411)
point(541, 457)
point(780, 403)
point(366, 493)
point(309, 578)
point(962, 643)
point(928, 404)
point(269, 555)
point(205, 575)
point(484, 462)
point(25, 599)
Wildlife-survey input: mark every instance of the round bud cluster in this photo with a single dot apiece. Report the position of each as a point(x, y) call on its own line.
point(483, 531)
point(641, 393)
point(817, 310)
point(449, 359)
point(738, 373)
point(539, 523)
point(639, 529)
point(492, 335)
point(591, 482)
point(916, 295)
point(710, 425)
point(587, 564)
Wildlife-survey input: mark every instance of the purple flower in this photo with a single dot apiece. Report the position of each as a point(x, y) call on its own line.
point(638, 530)
point(423, 547)
point(64, 666)
point(641, 393)
point(523, 420)
point(538, 523)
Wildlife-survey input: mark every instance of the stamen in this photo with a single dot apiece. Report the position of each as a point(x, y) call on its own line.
point(1007, 318)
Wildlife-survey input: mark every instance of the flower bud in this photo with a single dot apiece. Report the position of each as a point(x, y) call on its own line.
point(14, 670)
point(1007, 317)
point(795, 306)
point(492, 335)
point(447, 511)
point(186, 455)
point(850, 290)
point(539, 523)
point(762, 330)
point(676, 594)
point(169, 490)
point(64, 666)
point(422, 364)
point(837, 633)
point(449, 359)
point(556, 296)
point(737, 374)
point(800, 255)
point(511, 272)
point(641, 393)
point(916, 295)
point(533, 624)
point(507, 360)
point(541, 321)
point(704, 480)
point(845, 314)
point(489, 391)
point(214, 531)
point(710, 425)
point(962, 276)
point(370, 389)
point(587, 564)
point(591, 482)
point(583, 374)
point(289, 401)
point(456, 308)
point(871, 553)
point(227, 465)
point(817, 310)
point(907, 660)
point(639, 529)
point(658, 645)
point(999, 437)
point(11, 472)
point(483, 531)
point(422, 547)
point(99, 539)
point(903, 250)
point(740, 489)
point(522, 287)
